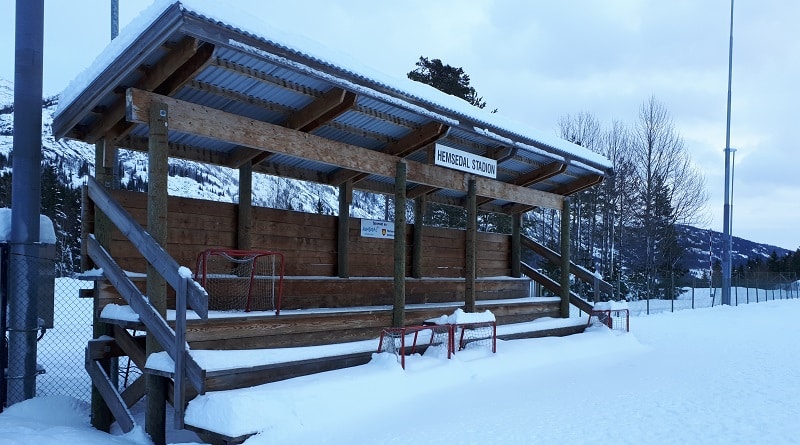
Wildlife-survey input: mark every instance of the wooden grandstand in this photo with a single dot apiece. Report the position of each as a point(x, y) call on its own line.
point(186, 86)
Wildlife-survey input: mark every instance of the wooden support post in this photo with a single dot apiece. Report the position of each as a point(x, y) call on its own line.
point(158, 150)
point(244, 238)
point(343, 238)
point(101, 414)
point(471, 247)
point(565, 272)
point(516, 245)
point(399, 312)
point(416, 248)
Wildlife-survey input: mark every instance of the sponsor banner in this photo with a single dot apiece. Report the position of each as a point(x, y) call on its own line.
point(377, 229)
point(466, 162)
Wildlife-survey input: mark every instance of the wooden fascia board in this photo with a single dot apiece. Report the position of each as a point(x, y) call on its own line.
point(208, 122)
point(182, 52)
point(408, 144)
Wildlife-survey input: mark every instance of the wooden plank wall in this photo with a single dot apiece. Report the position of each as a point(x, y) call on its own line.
point(307, 240)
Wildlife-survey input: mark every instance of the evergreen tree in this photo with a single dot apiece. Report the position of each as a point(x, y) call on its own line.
point(456, 82)
point(451, 80)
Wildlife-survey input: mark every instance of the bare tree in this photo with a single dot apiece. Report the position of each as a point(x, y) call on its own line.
point(669, 189)
point(585, 130)
point(619, 192)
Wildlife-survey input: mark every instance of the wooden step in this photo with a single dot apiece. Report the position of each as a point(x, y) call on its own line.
point(263, 330)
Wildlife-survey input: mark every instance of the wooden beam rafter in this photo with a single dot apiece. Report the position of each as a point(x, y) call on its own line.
point(179, 55)
point(307, 119)
point(179, 151)
point(563, 190)
point(578, 185)
point(200, 59)
point(414, 141)
point(311, 92)
point(540, 174)
point(208, 122)
point(314, 115)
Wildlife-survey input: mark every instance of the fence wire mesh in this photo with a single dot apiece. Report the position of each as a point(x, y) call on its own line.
point(59, 341)
point(696, 293)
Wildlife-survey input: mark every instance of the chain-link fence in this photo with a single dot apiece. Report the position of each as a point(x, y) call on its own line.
point(61, 349)
point(54, 341)
point(695, 293)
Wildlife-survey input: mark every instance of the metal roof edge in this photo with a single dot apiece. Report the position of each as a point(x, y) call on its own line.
point(66, 116)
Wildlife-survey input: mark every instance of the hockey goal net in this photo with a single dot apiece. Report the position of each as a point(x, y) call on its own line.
point(241, 280)
point(413, 339)
point(614, 319)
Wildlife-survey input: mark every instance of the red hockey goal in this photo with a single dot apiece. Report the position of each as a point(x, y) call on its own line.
point(241, 280)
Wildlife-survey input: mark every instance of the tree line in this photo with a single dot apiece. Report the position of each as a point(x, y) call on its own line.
point(61, 203)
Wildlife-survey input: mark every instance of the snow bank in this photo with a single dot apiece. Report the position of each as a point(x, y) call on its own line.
point(461, 317)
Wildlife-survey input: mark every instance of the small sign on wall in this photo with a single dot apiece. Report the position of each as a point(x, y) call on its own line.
point(377, 229)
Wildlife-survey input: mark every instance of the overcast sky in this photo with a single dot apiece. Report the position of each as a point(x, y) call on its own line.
point(538, 60)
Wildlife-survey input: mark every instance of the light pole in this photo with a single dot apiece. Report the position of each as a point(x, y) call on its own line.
point(726, 214)
point(114, 19)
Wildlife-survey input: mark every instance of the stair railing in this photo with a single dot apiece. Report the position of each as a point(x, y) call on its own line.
point(187, 293)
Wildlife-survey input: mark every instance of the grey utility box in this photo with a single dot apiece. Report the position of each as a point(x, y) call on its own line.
point(47, 270)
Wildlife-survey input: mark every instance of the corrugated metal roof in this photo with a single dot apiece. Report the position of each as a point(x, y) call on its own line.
point(256, 77)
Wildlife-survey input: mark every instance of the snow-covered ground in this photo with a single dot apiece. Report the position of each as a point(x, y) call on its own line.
point(720, 375)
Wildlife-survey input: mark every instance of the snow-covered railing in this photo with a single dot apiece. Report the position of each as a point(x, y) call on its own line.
point(555, 288)
point(580, 272)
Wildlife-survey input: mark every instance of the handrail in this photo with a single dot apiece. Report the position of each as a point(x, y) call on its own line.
point(147, 246)
point(155, 323)
point(554, 287)
point(555, 258)
point(187, 293)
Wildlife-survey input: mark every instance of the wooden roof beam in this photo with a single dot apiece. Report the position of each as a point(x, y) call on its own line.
point(274, 169)
point(538, 175)
point(178, 56)
point(578, 185)
point(172, 84)
point(410, 143)
point(216, 124)
point(563, 190)
point(314, 115)
point(307, 119)
point(179, 151)
point(420, 190)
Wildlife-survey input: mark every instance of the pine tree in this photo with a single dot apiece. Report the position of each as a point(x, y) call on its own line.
point(451, 80)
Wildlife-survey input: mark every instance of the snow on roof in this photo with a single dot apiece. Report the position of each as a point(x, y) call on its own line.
point(404, 92)
point(47, 233)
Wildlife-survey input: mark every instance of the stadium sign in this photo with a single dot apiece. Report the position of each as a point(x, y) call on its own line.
point(466, 162)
